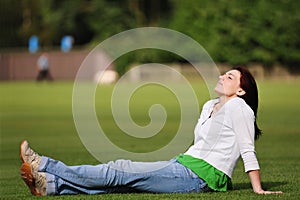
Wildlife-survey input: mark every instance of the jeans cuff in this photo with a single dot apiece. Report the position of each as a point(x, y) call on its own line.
point(51, 184)
point(43, 164)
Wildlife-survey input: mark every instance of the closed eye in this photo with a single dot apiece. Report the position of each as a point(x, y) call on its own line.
point(230, 76)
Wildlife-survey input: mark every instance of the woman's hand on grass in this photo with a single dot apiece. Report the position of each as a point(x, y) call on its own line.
point(268, 192)
point(256, 184)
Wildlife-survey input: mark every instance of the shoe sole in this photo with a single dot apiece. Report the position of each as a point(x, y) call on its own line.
point(21, 148)
point(28, 178)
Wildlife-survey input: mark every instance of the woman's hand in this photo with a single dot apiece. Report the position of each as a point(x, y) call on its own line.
point(268, 192)
point(256, 184)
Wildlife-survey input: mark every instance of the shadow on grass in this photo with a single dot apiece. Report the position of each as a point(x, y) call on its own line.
point(265, 185)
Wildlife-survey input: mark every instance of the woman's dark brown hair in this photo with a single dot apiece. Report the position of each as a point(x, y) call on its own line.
point(248, 84)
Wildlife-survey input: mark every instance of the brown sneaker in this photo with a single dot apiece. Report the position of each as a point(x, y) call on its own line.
point(27, 155)
point(36, 181)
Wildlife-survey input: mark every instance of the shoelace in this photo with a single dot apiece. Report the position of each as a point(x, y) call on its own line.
point(35, 159)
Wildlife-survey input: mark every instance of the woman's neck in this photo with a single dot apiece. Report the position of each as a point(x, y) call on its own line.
point(223, 99)
point(218, 106)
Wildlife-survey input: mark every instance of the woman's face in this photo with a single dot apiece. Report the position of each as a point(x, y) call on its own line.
point(229, 84)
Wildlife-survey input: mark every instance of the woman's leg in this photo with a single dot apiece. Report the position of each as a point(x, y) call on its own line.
point(119, 176)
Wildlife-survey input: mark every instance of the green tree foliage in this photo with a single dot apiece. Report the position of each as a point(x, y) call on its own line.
point(234, 32)
point(239, 32)
point(10, 21)
point(106, 18)
point(52, 19)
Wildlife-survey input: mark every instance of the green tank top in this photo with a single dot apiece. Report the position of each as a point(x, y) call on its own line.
point(214, 178)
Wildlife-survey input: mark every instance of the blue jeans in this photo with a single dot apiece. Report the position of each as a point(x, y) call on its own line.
point(121, 176)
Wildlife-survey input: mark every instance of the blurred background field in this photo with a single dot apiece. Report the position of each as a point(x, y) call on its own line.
point(263, 33)
point(42, 114)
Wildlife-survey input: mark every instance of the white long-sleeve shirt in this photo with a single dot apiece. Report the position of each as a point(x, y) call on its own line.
point(223, 138)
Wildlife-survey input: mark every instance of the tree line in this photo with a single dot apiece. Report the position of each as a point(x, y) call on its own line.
point(233, 32)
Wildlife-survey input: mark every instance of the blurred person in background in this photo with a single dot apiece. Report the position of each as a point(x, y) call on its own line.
point(43, 67)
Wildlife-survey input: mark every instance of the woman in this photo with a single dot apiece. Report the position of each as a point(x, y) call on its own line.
point(226, 131)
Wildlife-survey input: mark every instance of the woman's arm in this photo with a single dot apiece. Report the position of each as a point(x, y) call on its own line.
point(256, 183)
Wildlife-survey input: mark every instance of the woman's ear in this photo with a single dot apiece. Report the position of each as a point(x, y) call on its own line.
point(240, 92)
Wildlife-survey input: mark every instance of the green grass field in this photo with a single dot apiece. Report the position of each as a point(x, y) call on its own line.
point(42, 114)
